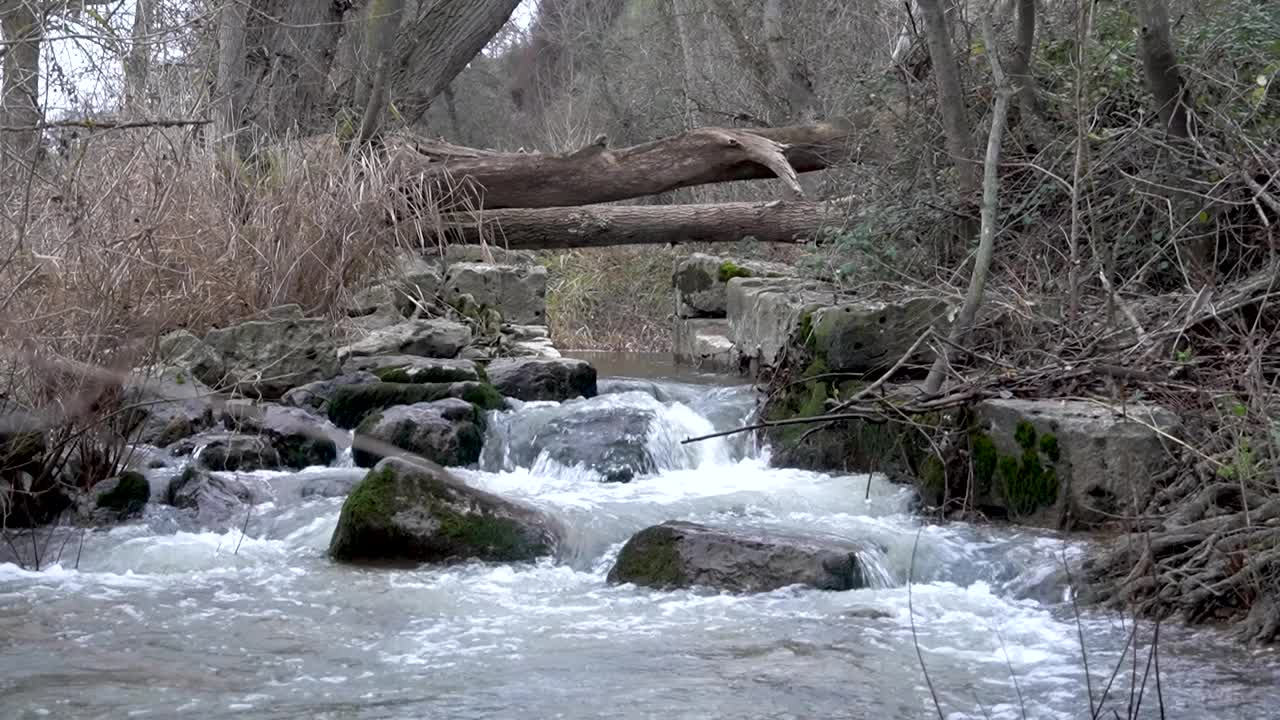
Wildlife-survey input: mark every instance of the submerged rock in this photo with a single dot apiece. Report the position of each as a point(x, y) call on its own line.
point(610, 441)
point(424, 338)
point(543, 379)
point(407, 511)
point(681, 555)
point(704, 343)
point(448, 432)
point(217, 500)
point(351, 405)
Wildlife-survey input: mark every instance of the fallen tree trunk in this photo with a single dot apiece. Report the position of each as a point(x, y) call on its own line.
point(607, 225)
point(457, 178)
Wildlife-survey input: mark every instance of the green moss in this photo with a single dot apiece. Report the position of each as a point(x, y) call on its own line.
point(730, 270)
point(352, 404)
point(983, 451)
point(1049, 447)
point(651, 558)
point(1025, 435)
point(805, 333)
point(495, 537)
point(372, 502)
point(933, 478)
point(129, 495)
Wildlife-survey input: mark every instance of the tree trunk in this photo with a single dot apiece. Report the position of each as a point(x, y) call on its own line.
point(750, 56)
point(792, 80)
point(382, 25)
point(229, 129)
point(680, 14)
point(437, 44)
point(20, 91)
point(1020, 61)
point(137, 65)
point(596, 174)
point(1161, 66)
point(607, 225)
point(946, 72)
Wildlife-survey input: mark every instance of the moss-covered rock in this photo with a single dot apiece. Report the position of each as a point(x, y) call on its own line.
point(555, 379)
point(348, 406)
point(701, 280)
point(682, 554)
point(126, 494)
point(448, 432)
point(405, 511)
point(411, 369)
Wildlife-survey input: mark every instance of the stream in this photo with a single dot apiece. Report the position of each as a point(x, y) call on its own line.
point(152, 619)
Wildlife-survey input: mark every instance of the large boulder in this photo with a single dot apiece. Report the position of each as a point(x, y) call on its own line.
point(167, 407)
point(543, 378)
point(1069, 463)
point(517, 292)
point(682, 555)
point(300, 439)
point(869, 335)
point(351, 405)
point(268, 356)
point(448, 432)
point(216, 500)
point(411, 512)
point(28, 496)
point(608, 439)
point(183, 350)
point(704, 343)
point(764, 313)
point(413, 369)
point(701, 282)
point(315, 396)
point(414, 283)
point(424, 338)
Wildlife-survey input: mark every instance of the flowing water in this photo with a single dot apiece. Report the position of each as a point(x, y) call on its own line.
point(154, 620)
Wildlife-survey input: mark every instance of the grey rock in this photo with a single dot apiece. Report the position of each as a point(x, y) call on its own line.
point(300, 438)
point(701, 282)
point(487, 254)
point(167, 407)
point(115, 499)
point(1085, 464)
point(424, 338)
point(315, 396)
point(351, 405)
point(704, 343)
point(182, 349)
point(763, 313)
point(412, 369)
point(410, 512)
point(682, 555)
point(543, 379)
point(332, 484)
point(265, 358)
point(218, 501)
point(870, 335)
point(223, 451)
point(448, 432)
point(415, 282)
point(518, 293)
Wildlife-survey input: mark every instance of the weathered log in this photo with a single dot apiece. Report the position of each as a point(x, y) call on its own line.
point(607, 225)
point(466, 178)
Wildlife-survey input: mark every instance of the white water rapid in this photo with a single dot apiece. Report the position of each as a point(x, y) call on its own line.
point(152, 620)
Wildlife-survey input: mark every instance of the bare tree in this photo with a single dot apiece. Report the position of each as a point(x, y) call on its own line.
point(20, 94)
point(229, 92)
point(137, 64)
point(790, 76)
point(383, 24)
point(946, 72)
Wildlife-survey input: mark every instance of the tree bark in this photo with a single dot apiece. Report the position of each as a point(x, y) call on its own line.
point(680, 13)
point(792, 80)
point(596, 174)
point(946, 72)
point(229, 128)
point(750, 56)
point(137, 65)
point(608, 225)
point(1020, 62)
point(382, 25)
point(20, 90)
point(1160, 64)
point(437, 44)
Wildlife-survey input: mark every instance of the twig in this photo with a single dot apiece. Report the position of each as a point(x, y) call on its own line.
point(103, 124)
point(911, 614)
point(244, 528)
